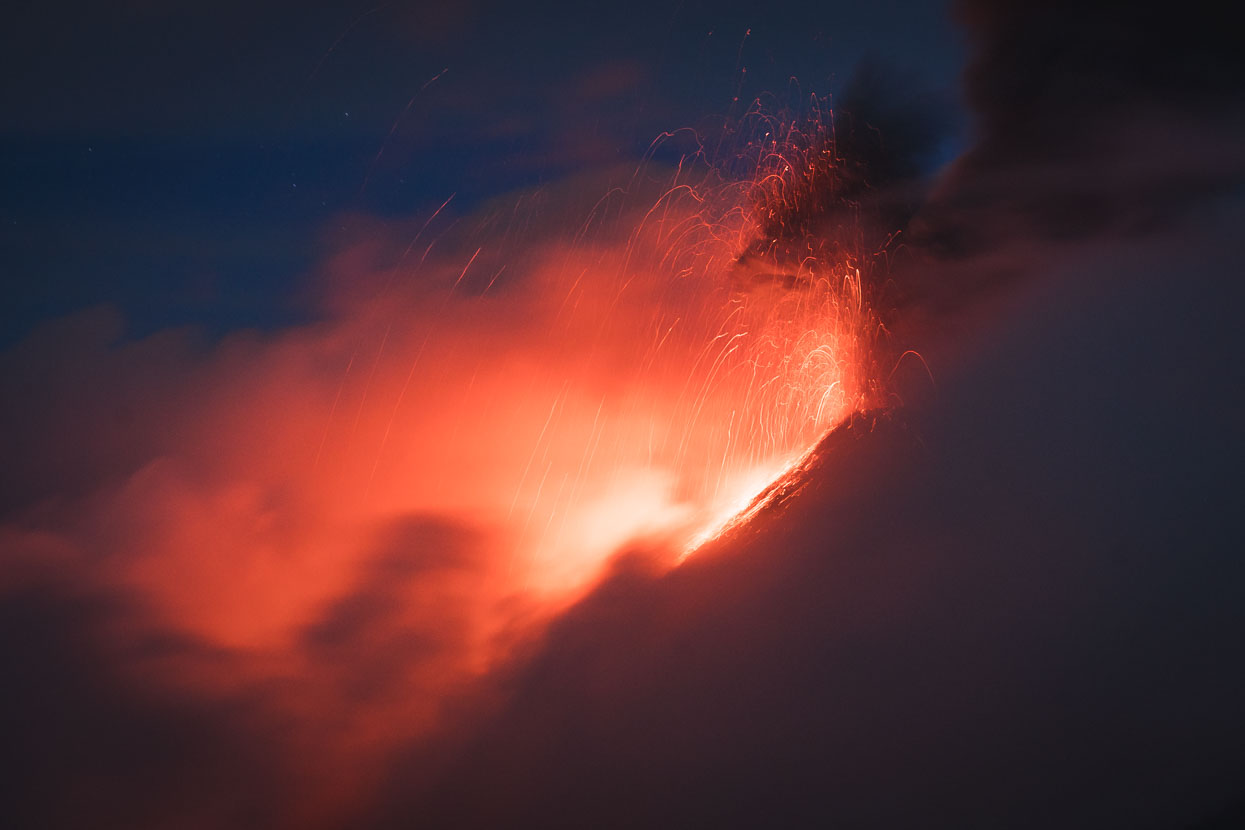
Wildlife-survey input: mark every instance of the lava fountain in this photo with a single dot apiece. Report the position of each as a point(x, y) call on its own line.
point(641, 380)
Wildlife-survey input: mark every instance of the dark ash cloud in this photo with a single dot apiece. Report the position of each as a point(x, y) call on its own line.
point(1091, 120)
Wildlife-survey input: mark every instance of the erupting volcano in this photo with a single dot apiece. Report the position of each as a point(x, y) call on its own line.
point(639, 382)
point(473, 415)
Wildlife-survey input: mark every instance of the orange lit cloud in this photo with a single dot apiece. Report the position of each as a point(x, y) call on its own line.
point(356, 519)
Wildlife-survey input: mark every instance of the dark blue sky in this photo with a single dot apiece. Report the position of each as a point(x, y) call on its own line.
point(183, 163)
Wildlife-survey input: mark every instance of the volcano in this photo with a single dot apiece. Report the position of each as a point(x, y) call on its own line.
point(604, 416)
point(1010, 603)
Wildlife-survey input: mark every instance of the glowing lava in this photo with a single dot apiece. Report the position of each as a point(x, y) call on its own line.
point(642, 380)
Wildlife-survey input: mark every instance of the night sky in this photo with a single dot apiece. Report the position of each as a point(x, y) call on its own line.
point(378, 383)
point(184, 163)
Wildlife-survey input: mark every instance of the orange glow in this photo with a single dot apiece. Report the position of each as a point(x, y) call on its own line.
point(491, 408)
point(642, 380)
point(566, 373)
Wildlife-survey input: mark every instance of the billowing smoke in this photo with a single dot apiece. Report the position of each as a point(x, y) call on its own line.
point(423, 561)
point(340, 530)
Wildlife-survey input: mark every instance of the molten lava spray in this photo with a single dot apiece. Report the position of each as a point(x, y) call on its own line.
point(640, 381)
point(363, 515)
